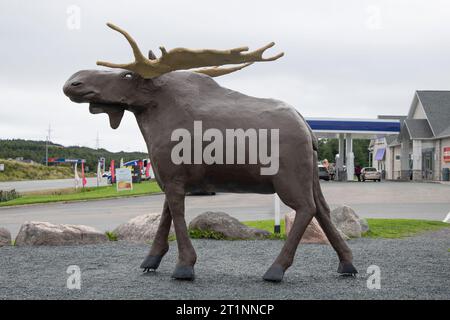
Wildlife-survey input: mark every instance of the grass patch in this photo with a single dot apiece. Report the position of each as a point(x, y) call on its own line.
point(111, 236)
point(260, 224)
point(206, 234)
point(267, 225)
point(16, 171)
point(379, 228)
point(400, 228)
point(144, 188)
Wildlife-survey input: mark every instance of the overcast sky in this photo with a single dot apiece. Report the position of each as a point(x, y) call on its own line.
point(359, 60)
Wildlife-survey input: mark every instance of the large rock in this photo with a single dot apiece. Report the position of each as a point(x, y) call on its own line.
point(224, 224)
point(5, 237)
point(313, 233)
point(140, 229)
point(346, 220)
point(45, 233)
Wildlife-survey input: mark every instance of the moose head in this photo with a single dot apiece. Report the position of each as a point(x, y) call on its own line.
point(169, 105)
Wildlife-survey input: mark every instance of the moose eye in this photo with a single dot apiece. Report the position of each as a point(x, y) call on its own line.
point(128, 75)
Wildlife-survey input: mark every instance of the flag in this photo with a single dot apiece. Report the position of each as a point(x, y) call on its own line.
point(113, 173)
point(147, 170)
point(77, 178)
point(84, 181)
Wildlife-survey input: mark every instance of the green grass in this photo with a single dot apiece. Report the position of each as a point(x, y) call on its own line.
point(267, 225)
point(16, 171)
point(400, 228)
point(144, 188)
point(206, 234)
point(111, 236)
point(379, 228)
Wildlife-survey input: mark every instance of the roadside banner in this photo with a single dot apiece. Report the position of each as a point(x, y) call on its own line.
point(113, 171)
point(83, 177)
point(147, 170)
point(124, 179)
point(77, 178)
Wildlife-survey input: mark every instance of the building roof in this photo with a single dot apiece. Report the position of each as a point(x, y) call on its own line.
point(436, 105)
point(419, 129)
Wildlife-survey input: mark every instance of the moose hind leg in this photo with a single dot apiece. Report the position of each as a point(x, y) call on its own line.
point(160, 244)
point(339, 245)
point(323, 217)
point(304, 211)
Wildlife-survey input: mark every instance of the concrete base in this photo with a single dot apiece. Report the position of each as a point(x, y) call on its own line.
point(417, 175)
point(405, 175)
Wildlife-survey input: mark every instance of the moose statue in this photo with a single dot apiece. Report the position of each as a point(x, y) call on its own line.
point(168, 103)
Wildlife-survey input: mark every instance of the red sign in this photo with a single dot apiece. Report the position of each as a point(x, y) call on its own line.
point(83, 177)
point(446, 154)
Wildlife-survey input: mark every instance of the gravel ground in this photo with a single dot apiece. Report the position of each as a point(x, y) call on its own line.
point(411, 268)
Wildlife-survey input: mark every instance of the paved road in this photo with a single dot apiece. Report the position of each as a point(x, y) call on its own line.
point(412, 268)
point(35, 185)
point(378, 200)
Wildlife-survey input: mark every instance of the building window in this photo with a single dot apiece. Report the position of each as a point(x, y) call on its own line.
point(397, 157)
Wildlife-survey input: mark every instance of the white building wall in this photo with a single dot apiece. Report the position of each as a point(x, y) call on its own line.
point(396, 160)
point(419, 113)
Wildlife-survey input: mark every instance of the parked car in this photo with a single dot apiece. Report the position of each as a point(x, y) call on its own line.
point(323, 173)
point(370, 173)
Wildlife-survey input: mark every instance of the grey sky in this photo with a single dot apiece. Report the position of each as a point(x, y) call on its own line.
point(358, 60)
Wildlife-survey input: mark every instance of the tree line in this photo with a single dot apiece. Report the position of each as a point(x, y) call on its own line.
point(35, 150)
point(328, 148)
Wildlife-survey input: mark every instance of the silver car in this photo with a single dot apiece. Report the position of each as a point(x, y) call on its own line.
point(370, 173)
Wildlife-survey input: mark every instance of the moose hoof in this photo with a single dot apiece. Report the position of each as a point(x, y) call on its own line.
point(274, 274)
point(151, 263)
point(183, 273)
point(347, 268)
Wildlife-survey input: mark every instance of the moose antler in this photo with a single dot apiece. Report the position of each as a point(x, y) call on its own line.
point(184, 59)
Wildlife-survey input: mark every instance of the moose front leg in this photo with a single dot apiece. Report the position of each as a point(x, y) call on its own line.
point(160, 244)
point(187, 257)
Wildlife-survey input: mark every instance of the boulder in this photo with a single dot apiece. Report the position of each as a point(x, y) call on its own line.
point(346, 220)
point(313, 233)
point(224, 224)
point(45, 233)
point(141, 229)
point(5, 237)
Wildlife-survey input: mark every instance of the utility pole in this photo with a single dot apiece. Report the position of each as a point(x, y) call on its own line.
point(47, 140)
point(97, 142)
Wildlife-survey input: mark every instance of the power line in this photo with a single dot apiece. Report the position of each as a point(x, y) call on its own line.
point(47, 140)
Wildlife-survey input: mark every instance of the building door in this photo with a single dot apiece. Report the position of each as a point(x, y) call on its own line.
point(427, 165)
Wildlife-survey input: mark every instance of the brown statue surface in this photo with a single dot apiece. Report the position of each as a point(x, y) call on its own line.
point(164, 100)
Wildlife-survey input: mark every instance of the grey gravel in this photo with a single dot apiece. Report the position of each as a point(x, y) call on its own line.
point(411, 268)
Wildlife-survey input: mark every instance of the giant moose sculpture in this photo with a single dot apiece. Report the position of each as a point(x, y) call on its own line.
point(164, 100)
